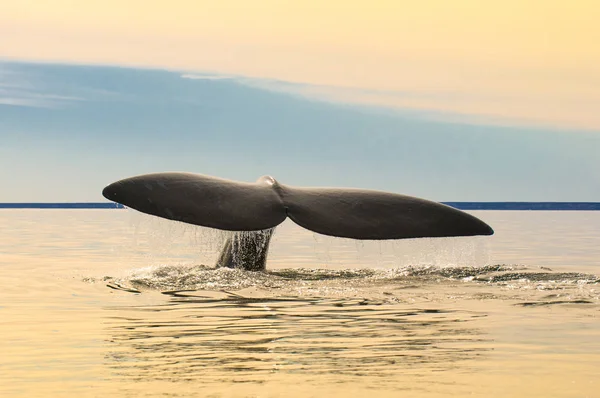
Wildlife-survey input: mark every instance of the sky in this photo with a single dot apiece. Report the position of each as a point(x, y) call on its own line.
point(461, 100)
point(533, 61)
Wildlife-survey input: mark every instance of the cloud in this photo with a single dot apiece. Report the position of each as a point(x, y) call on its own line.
point(208, 76)
point(436, 105)
point(21, 89)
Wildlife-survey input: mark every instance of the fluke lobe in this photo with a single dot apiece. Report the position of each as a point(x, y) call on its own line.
point(238, 206)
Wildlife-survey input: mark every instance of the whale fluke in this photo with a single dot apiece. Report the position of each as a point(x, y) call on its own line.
point(238, 206)
point(201, 200)
point(374, 215)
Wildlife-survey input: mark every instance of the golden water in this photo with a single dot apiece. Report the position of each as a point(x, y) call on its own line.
point(95, 304)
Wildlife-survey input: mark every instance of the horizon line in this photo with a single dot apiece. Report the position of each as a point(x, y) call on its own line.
point(461, 205)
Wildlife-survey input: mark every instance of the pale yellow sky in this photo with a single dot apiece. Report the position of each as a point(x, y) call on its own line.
point(515, 61)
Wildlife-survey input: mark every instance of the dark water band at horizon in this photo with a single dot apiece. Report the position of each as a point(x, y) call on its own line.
point(552, 206)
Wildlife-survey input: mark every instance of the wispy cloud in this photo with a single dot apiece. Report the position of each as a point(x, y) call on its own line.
point(208, 76)
point(501, 109)
point(19, 89)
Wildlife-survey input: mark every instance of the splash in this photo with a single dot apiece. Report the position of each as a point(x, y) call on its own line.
point(434, 269)
point(435, 283)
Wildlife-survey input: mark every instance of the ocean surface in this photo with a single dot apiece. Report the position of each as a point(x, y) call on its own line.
point(109, 302)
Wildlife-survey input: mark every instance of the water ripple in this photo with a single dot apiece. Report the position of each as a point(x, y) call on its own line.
point(212, 336)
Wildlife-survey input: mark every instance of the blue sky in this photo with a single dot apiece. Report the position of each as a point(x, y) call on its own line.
point(66, 131)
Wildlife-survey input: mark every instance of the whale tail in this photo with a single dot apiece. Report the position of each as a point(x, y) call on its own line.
point(237, 206)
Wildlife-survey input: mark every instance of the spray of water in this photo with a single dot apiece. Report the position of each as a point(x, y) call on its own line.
point(163, 241)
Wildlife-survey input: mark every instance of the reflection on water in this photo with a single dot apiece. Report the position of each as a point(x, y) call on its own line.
point(229, 338)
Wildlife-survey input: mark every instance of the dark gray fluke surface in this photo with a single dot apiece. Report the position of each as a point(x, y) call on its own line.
point(201, 200)
point(238, 206)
